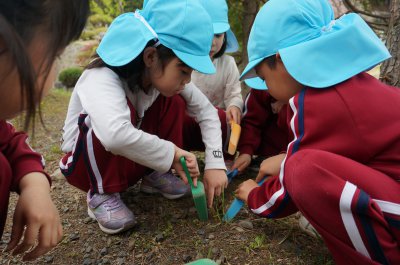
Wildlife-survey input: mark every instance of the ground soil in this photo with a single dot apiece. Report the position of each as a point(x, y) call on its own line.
point(168, 232)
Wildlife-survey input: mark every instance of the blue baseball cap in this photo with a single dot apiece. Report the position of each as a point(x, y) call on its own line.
point(218, 11)
point(180, 25)
point(316, 50)
point(256, 83)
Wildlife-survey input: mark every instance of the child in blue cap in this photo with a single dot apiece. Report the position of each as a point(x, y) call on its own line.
point(222, 88)
point(342, 167)
point(264, 130)
point(126, 115)
point(32, 35)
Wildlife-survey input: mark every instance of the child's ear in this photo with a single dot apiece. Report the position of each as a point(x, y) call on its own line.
point(278, 57)
point(150, 56)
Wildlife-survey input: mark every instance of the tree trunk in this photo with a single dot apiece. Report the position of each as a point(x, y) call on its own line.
point(250, 9)
point(390, 69)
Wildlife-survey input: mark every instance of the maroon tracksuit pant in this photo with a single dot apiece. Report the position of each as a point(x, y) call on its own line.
point(353, 207)
point(90, 167)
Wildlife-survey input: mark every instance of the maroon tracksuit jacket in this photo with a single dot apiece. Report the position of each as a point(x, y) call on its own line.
point(16, 160)
point(263, 132)
point(342, 170)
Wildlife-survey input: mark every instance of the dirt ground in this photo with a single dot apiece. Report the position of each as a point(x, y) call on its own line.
point(168, 232)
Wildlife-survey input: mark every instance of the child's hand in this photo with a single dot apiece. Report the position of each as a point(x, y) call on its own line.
point(35, 219)
point(233, 113)
point(215, 181)
point(242, 162)
point(270, 166)
point(244, 189)
point(191, 163)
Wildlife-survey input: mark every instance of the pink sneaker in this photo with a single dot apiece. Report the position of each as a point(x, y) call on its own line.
point(169, 185)
point(110, 212)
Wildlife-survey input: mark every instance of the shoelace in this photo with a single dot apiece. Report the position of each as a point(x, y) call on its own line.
point(171, 178)
point(112, 203)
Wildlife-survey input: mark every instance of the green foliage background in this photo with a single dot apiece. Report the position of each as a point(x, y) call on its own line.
point(68, 77)
point(104, 11)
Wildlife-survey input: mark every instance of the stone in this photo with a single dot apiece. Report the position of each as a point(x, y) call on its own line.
point(48, 259)
point(159, 237)
point(87, 220)
point(87, 261)
point(239, 229)
point(74, 236)
point(215, 251)
point(106, 261)
point(121, 261)
point(104, 251)
point(186, 258)
point(246, 224)
point(201, 232)
point(57, 175)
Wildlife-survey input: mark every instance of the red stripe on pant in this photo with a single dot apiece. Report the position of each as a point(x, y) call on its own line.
point(318, 182)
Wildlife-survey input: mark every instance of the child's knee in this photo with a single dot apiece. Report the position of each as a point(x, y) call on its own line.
point(304, 173)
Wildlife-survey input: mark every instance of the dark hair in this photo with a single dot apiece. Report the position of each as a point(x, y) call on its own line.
point(133, 71)
point(223, 48)
point(61, 21)
point(271, 61)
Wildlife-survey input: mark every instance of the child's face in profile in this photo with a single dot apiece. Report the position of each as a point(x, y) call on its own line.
point(217, 42)
point(281, 85)
point(11, 101)
point(172, 79)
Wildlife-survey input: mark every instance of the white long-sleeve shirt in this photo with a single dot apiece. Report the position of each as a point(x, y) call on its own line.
point(102, 95)
point(222, 88)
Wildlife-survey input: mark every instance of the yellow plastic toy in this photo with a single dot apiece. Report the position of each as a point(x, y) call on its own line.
point(234, 138)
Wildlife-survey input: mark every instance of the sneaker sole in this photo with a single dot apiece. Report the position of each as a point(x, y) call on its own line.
point(307, 227)
point(151, 190)
point(107, 230)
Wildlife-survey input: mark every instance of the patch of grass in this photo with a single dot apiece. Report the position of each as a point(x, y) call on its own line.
point(141, 242)
point(54, 152)
point(56, 102)
point(256, 244)
point(218, 209)
point(168, 230)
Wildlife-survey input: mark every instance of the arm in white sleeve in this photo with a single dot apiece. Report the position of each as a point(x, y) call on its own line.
point(200, 108)
point(104, 99)
point(233, 90)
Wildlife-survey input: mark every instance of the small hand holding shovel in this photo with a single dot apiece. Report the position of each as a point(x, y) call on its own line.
point(198, 193)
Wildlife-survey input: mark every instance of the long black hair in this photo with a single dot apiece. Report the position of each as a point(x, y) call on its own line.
point(132, 72)
point(60, 21)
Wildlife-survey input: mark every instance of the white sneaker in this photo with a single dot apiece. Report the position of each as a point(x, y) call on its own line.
point(170, 186)
point(307, 227)
point(110, 212)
